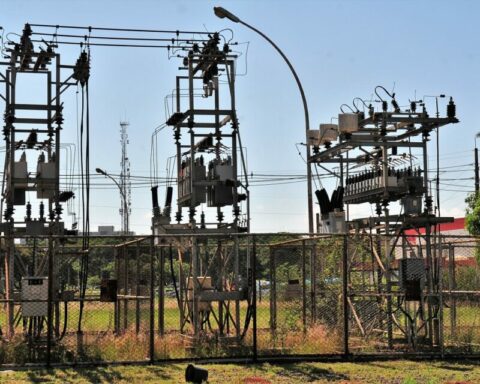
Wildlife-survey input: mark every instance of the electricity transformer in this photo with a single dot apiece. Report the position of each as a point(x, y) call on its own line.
point(213, 281)
point(31, 183)
point(382, 158)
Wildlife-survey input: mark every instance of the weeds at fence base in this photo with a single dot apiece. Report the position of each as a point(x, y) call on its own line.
point(315, 340)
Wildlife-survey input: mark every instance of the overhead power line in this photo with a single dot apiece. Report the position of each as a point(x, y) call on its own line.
point(90, 28)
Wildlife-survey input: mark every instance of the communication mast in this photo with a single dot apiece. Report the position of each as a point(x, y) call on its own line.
point(125, 184)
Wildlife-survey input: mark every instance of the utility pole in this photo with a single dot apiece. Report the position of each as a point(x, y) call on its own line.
point(476, 172)
point(477, 177)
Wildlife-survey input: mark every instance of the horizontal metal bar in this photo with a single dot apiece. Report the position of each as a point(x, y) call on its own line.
point(407, 118)
point(220, 296)
point(352, 144)
point(212, 112)
point(64, 83)
point(23, 120)
point(36, 130)
point(38, 107)
point(30, 71)
point(198, 125)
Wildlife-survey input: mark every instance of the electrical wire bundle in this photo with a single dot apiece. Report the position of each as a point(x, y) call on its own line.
point(82, 63)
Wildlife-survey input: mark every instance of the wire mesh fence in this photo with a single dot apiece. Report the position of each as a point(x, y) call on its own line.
point(242, 296)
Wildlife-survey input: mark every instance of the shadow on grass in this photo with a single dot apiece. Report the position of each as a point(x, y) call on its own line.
point(457, 367)
point(309, 373)
point(95, 374)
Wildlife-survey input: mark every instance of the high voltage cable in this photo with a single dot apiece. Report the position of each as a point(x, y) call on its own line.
point(117, 45)
point(90, 37)
point(90, 28)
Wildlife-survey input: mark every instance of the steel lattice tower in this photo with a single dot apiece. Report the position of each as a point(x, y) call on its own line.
point(125, 184)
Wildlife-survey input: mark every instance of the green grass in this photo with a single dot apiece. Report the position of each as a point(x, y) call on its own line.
point(397, 372)
point(101, 344)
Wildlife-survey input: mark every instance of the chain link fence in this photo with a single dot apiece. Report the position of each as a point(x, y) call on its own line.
point(125, 299)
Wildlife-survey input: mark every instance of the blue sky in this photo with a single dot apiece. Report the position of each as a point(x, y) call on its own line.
point(340, 49)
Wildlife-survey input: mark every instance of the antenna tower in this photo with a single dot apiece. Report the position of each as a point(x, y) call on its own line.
point(125, 184)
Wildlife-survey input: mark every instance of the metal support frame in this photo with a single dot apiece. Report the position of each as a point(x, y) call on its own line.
point(194, 254)
point(47, 130)
point(376, 135)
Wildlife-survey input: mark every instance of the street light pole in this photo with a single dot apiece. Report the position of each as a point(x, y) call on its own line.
point(477, 176)
point(125, 223)
point(223, 13)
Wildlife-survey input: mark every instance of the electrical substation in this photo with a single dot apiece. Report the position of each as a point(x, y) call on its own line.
point(201, 284)
point(381, 157)
point(208, 159)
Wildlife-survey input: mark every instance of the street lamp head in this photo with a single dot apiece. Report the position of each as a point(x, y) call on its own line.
point(100, 171)
point(222, 13)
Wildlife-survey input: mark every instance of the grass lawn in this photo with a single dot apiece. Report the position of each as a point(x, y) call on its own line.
point(406, 372)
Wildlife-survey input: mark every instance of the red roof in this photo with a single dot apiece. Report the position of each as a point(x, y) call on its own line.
point(456, 225)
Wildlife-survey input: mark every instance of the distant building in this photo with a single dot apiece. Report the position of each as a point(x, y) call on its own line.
point(454, 236)
point(108, 230)
point(456, 228)
point(105, 230)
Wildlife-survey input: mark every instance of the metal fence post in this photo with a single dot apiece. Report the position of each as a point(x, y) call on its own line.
point(254, 307)
point(304, 287)
point(345, 294)
point(49, 304)
point(152, 303)
point(313, 279)
point(161, 293)
point(137, 288)
point(116, 304)
point(440, 289)
point(273, 292)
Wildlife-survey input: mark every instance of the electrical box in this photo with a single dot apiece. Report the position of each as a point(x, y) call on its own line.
point(293, 290)
point(19, 196)
point(187, 178)
point(20, 174)
point(68, 295)
point(325, 135)
point(348, 122)
point(328, 133)
point(221, 193)
point(34, 288)
point(313, 137)
point(412, 277)
point(108, 290)
point(412, 184)
point(35, 228)
point(412, 205)
point(335, 223)
point(46, 180)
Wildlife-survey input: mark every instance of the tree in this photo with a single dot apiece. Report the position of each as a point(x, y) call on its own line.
point(472, 214)
point(472, 219)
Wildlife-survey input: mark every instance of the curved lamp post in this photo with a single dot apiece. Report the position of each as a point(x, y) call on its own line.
point(223, 13)
point(125, 208)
